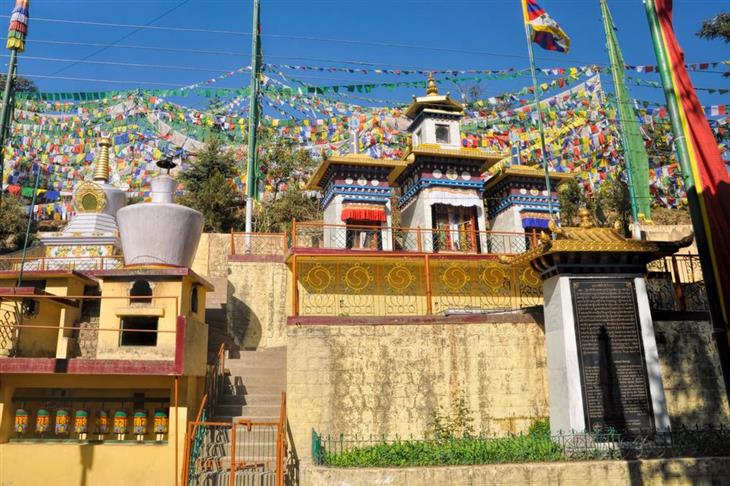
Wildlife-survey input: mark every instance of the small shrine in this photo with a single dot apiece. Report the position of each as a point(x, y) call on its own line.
point(92, 231)
point(602, 358)
point(517, 198)
point(442, 183)
point(357, 191)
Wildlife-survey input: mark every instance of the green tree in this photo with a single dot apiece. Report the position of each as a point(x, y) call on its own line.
point(572, 198)
point(283, 165)
point(21, 84)
point(276, 215)
point(13, 221)
point(611, 204)
point(210, 190)
point(718, 27)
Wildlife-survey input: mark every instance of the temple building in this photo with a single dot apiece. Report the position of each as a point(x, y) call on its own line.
point(103, 359)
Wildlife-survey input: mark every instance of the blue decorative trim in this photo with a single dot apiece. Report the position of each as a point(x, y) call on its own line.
point(526, 201)
point(535, 223)
point(372, 193)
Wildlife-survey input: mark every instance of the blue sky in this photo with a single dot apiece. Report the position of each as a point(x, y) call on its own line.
point(488, 33)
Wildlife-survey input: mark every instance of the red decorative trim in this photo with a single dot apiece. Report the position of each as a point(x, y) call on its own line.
point(510, 318)
point(78, 366)
point(364, 214)
point(391, 254)
point(256, 258)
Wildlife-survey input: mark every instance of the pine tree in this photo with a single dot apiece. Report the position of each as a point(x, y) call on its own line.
point(13, 221)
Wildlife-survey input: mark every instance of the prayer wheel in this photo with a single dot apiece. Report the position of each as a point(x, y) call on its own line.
point(42, 420)
point(63, 422)
point(160, 422)
point(102, 422)
point(81, 422)
point(21, 421)
point(121, 422)
point(139, 422)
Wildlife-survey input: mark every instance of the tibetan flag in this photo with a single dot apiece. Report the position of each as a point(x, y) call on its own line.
point(710, 196)
point(544, 31)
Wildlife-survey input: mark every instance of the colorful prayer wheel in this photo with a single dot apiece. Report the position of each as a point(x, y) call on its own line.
point(81, 422)
point(102, 422)
point(121, 422)
point(160, 422)
point(21, 421)
point(139, 422)
point(63, 422)
point(42, 420)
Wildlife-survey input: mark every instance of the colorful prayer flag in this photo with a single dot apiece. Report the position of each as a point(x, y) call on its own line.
point(18, 25)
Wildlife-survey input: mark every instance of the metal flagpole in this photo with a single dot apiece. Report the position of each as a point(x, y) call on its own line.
point(539, 121)
point(6, 111)
point(253, 115)
point(30, 222)
point(636, 233)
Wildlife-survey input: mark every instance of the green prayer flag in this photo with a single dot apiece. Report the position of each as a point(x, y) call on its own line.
point(635, 154)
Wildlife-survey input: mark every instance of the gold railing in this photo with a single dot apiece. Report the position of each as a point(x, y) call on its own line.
point(61, 263)
point(410, 286)
point(675, 283)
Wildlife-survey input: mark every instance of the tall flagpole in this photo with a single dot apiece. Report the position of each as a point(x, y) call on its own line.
point(636, 233)
point(6, 113)
point(253, 117)
point(539, 120)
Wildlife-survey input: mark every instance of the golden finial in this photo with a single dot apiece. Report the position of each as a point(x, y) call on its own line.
point(431, 88)
point(585, 218)
point(101, 172)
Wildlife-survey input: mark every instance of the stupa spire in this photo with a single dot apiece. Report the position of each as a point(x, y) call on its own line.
point(101, 172)
point(431, 88)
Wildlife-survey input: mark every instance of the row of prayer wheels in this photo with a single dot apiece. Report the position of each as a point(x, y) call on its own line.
point(119, 422)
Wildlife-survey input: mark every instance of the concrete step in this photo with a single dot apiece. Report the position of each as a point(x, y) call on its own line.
point(252, 372)
point(247, 410)
point(261, 389)
point(250, 399)
point(258, 418)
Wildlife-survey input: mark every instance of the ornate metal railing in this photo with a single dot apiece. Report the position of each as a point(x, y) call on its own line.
point(675, 283)
point(61, 263)
point(410, 286)
point(457, 240)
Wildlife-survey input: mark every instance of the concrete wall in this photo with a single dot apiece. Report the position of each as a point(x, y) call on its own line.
point(691, 373)
point(388, 376)
point(669, 472)
point(211, 258)
point(257, 302)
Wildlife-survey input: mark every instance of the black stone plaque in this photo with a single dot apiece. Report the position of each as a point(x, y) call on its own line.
point(611, 356)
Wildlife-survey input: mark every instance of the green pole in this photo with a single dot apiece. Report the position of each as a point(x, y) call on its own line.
point(253, 117)
point(539, 121)
point(6, 111)
point(617, 82)
point(30, 222)
point(720, 331)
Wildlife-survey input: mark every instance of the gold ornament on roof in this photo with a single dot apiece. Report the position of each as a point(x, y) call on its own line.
point(585, 218)
point(89, 197)
point(431, 89)
point(101, 172)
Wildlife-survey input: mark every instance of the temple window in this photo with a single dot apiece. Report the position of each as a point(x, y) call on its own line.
point(141, 288)
point(363, 235)
point(139, 331)
point(455, 228)
point(442, 133)
point(194, 300)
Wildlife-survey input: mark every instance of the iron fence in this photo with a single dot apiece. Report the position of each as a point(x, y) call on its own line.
point(353, 451)
point(675, 283)
point(269, 244)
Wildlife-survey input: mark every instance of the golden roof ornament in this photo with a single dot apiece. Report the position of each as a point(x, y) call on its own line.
point(431, 88)
point(585, 218)
point(101, 172)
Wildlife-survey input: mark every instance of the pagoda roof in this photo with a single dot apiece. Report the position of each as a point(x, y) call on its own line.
point(526, 172)
point(433, 100)
point(425, 149)
point(362, 160)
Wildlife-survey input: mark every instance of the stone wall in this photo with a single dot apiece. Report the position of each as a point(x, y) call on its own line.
point(257, 305)
point(388, 376)
point(668, 472)
point(211, 259)
point(691, 373)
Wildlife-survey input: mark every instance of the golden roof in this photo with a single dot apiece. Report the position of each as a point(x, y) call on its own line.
point(525, 171)
point(586, 238)
point(489, 158)
point(433, 100)
point(101, 172)
point(362, 160)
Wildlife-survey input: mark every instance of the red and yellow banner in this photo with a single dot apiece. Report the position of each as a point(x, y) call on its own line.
point(711, 178)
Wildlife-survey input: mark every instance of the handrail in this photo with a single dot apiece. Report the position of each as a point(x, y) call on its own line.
point(281, 443)
point(189, 435)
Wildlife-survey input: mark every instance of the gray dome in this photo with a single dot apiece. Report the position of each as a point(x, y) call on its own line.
point(160, 232)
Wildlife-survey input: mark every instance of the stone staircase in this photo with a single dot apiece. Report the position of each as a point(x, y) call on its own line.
point(215, 317)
